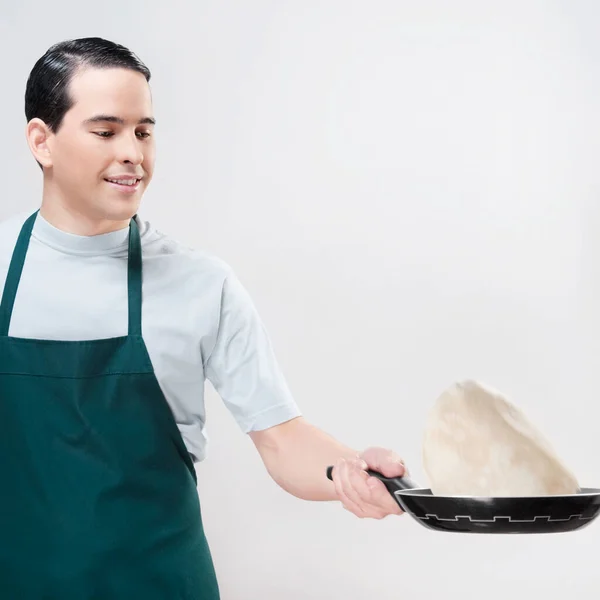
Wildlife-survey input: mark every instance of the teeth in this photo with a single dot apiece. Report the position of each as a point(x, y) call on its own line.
point(123, 181)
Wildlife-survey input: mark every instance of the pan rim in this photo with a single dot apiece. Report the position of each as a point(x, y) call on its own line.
point(423, 492)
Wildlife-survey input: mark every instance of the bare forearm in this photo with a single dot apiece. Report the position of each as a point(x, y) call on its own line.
point(297, 460)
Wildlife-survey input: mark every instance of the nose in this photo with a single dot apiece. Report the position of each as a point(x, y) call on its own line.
point(130, 150)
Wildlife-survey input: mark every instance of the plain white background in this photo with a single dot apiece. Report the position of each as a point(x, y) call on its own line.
point(410, 193)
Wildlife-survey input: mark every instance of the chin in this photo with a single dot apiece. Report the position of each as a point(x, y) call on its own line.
point(121, 211)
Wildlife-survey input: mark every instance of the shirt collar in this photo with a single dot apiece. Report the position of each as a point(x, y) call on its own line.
point(105, 243)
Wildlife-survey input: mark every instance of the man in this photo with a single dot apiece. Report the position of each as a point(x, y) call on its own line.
point(101, 393)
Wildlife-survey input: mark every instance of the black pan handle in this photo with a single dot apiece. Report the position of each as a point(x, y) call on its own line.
point(393, 484)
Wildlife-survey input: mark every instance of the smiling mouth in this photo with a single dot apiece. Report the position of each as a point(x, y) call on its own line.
point(124, 182)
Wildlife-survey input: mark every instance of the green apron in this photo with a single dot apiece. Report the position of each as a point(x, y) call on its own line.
point(98, 497)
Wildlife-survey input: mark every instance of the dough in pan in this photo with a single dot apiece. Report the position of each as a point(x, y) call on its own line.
point(477, 443)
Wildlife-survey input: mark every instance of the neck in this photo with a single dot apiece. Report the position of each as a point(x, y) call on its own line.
point(77, 222)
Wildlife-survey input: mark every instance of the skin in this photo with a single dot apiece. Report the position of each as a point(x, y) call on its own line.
point(77, 159)
point(76, 198)
point(297, 454)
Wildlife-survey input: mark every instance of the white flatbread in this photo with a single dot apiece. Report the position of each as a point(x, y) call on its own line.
point(477, 443)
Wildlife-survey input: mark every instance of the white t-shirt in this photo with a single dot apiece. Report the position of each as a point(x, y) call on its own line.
point(198, 321)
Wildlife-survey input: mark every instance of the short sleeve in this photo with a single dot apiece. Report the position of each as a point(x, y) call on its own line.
point(242, 366)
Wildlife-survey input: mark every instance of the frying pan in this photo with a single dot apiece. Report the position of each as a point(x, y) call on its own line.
point(472, 514)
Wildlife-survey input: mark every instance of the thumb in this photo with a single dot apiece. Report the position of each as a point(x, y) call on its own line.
point(386, 462)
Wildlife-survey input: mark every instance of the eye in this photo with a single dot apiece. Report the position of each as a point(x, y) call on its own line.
point(145, 134)
point(104, 134)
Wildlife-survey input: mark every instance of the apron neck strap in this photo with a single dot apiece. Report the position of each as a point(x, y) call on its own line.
point(134, 277)
point(134, 280)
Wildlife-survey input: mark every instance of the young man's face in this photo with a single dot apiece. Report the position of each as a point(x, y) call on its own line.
point(105, 135)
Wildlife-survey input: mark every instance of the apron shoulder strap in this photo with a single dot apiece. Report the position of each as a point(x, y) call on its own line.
point(15, 270)
point(14, 274)
point(134, 280)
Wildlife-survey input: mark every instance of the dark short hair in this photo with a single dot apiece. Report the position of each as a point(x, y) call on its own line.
point(47, 92)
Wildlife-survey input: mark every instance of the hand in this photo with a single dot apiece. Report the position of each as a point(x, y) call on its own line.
point(363, 495)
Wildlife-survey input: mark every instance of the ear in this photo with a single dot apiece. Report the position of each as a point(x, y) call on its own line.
point(38, 136)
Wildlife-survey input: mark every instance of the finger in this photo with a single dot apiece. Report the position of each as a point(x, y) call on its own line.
point(354, 482)
point(338, 480)
point(374, 495)
point(360, 493)
point(384, 461)
point(381, 497)
point(359, 481)
point(355, 495)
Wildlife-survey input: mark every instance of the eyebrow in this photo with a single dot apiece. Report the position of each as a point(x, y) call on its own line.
point(118, 120)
